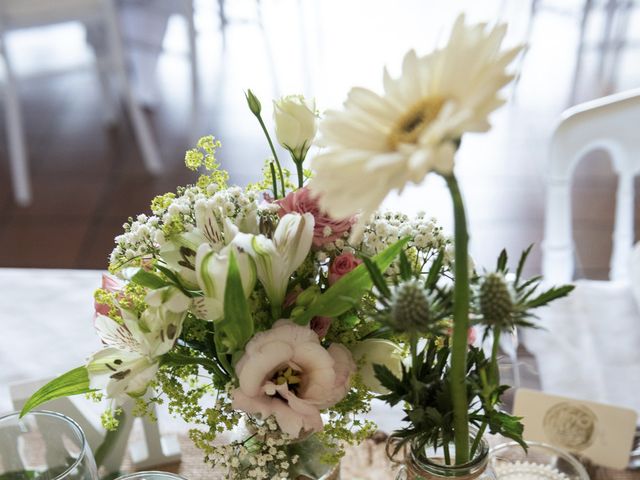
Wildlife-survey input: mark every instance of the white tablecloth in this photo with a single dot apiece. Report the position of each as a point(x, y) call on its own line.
point(46, 322)
point(589, 346)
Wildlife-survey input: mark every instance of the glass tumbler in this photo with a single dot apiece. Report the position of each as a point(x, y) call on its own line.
point(44, 446)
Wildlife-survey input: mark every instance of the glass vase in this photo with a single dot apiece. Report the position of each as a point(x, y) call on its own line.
point(44, 446)
point(428, 463)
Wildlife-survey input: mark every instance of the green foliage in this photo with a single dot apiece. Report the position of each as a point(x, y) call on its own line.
point(236, 328)
point(74, 382)
point(348, 290)
point(424, 390)
point(149, 280)
point(526, 295)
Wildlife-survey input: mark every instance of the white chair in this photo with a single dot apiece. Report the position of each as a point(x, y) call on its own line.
point(22, 14)
point(589, 348)
point(611, 124)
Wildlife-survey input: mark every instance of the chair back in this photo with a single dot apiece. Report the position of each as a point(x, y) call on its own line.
point(612, 124)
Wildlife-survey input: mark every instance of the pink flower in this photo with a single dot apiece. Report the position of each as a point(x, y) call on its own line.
point(471, 335)
point(326, 229)
point(285, 372)
point(320, 325)
point(341, 265)
point(110, 284)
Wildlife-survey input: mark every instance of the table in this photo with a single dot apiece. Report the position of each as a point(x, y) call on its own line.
point(47, 328)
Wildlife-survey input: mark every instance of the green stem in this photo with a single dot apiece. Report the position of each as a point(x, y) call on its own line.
point(445, 448)
point(181, 360)
point(273, 180)
point(273, 151)
point(476, 441)
point(494, 378)
point(460, 325)
point(413, 345)
point(300, 174)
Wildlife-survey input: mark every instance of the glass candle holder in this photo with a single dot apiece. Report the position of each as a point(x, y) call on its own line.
point(151, 476)
point(541, 461)
point(44, 445)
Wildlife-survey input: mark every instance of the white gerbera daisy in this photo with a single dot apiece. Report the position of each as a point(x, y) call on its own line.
point(380, 142)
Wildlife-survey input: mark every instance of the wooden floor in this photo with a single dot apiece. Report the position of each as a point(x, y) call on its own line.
point(87, 179)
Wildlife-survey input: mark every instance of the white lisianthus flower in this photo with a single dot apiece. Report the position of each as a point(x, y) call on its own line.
point(377, 351)
point(130, 359)
point(276, 259)
point(296, 124)
point(415, 126)
point(211, 272)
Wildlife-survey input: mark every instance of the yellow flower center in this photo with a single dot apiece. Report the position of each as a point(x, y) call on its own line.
point(287, 376)
point(412, 123)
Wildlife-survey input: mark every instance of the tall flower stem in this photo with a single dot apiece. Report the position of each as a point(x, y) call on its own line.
point(460, 325)
point(273, 151)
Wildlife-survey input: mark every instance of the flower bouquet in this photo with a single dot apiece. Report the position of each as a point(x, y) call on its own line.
point(249, 311)
point(269, 316)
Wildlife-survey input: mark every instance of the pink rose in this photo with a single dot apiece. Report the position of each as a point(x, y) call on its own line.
point(326, 229)
point(110, 284)
point(285, 372)
point(341, 265)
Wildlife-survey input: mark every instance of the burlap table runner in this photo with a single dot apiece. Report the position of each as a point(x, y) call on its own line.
point(366, 461)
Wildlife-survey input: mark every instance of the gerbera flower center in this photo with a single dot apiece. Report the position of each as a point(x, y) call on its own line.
point(287, 376)
point(415, 120)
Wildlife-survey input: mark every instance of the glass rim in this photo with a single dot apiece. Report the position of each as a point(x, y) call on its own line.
point(132, 475)
point(575, 463)
point(60, 416)
point(480, 456)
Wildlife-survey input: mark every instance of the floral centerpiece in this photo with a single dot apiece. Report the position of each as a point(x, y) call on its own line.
point(276, 312)
point(250, 312)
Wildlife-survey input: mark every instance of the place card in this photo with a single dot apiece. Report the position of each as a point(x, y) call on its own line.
point(602, 433)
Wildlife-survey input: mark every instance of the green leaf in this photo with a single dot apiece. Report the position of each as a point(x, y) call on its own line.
point(523, 260)
point(406, 272)
point(549, 295)
point(434, 271)
point(376, 277)
point(350, 288)
point(236, 328)
point(149, 280)
point(502, 261)
point(73, 382)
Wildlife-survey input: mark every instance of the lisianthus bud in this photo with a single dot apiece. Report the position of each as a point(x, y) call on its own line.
point(496, 302)
point(253, 102)
point(410, 307)
point(377, 351)
point(296, 124)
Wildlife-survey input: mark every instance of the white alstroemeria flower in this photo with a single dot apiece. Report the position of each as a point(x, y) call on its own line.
point(179, 253)
point(214, 225)
point(296, 124)
point(415, 127)
point(212, 228)
point(211, 273)
point(276, 259)
point(130, 360)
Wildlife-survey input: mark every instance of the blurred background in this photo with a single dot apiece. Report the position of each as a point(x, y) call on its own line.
point(102, 97)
